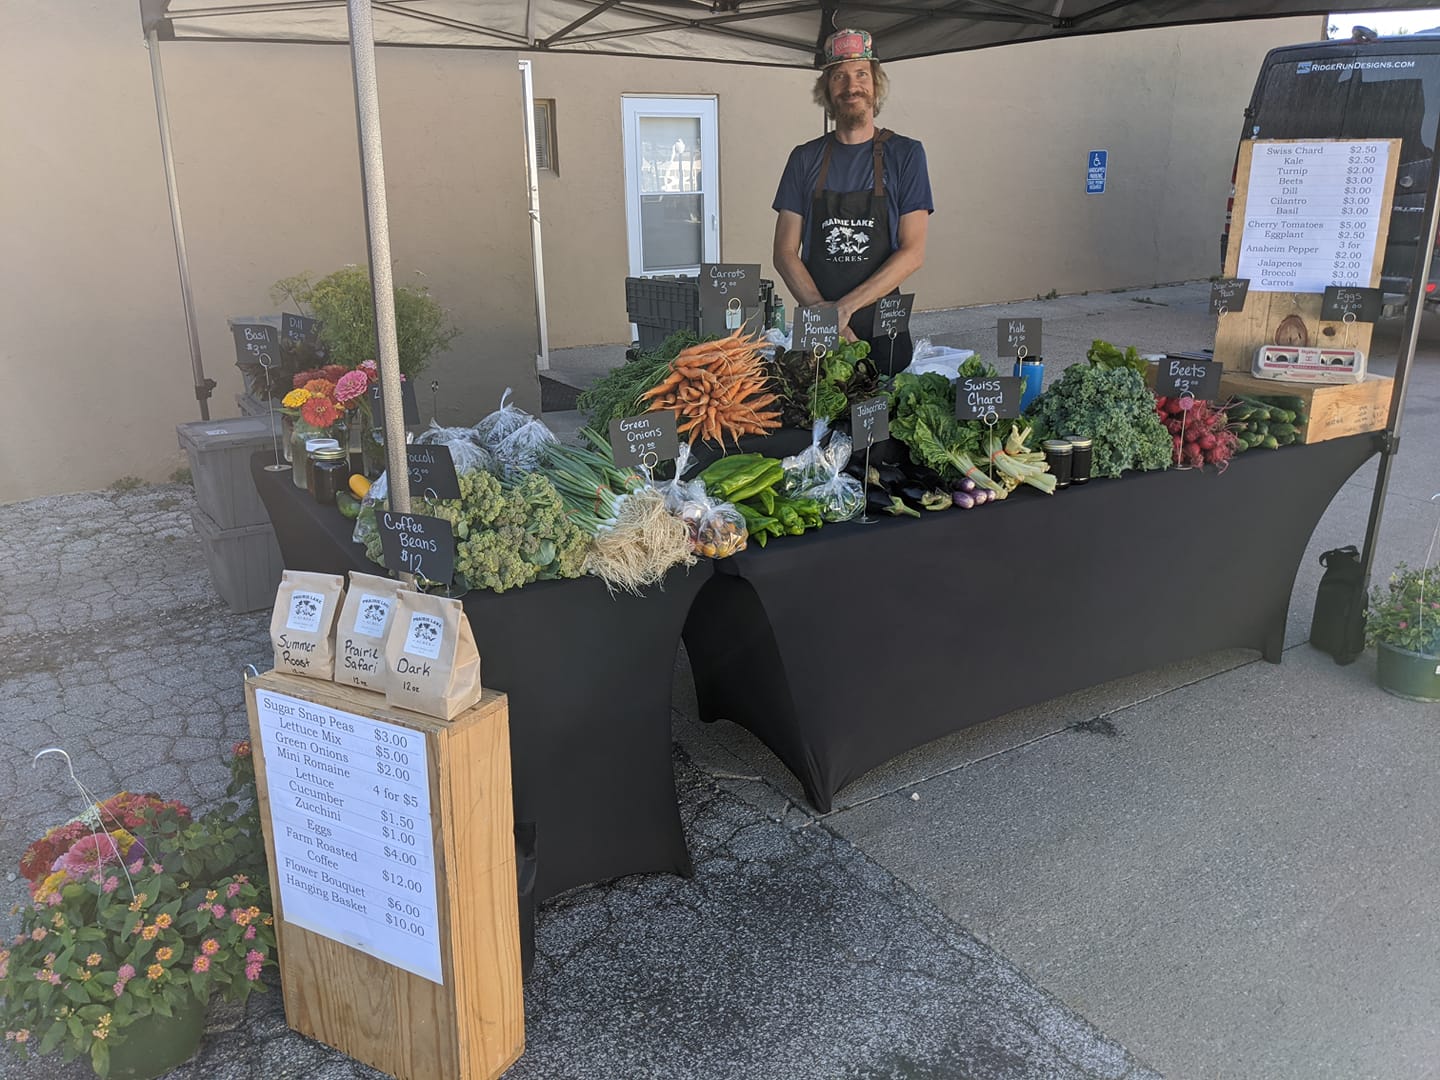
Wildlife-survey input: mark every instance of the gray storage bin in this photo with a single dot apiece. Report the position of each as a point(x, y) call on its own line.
point(244, 563)
point(219, 453)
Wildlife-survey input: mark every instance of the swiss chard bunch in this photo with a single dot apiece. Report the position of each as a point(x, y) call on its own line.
point(923, 418)
point(1114, 407)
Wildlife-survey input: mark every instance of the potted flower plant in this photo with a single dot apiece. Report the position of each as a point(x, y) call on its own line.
point(1404, 625)
point(139, 912)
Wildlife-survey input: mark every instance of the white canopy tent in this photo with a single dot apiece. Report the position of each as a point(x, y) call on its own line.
point(785, 33)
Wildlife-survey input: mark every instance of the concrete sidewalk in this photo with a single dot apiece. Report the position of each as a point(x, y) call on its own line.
point(1222, 869)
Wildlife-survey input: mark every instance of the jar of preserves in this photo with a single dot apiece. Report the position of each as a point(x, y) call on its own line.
point(329, 471)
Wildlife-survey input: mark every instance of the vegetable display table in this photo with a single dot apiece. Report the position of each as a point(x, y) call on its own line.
point(842, 648)
point(589, 678)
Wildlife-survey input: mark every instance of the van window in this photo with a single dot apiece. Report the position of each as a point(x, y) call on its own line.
point(1389, 97)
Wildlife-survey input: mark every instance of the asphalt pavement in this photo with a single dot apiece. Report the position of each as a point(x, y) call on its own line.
point(1221, 869)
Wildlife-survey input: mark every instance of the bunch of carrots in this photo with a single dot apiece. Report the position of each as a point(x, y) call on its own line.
point(718, 390)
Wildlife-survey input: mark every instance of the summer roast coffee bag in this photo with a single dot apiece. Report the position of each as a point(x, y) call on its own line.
point(302, 626)
point(365, 619)
point(431, 663)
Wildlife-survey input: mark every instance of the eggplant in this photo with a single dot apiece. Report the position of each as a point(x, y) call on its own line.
point(898, 507)
point(912, 494)
point(966, 484)
point(924, 476)
point(877, 500)
point(890, 475)
point(963, 499)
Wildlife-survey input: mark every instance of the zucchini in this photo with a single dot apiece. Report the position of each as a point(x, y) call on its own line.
point(347, 504)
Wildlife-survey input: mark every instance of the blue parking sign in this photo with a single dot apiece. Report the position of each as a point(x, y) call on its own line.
point(1098, 162)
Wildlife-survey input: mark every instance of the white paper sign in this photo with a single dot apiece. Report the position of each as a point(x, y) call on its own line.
point(1312, 214)
point(354, 845)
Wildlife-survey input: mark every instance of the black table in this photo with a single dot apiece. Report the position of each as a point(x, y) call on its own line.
point(589, 678)
point(842, 648)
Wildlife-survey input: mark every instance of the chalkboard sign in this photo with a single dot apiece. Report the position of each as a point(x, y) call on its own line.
point(1013, 335)
point(892, 314)
point(1228, 295)
point(1176, 376)
point(644, 440)
point(869, 422)
point(419, 545)
point(1342, 300)
point(819, 325)
point(407, 403)
point(721, 284)
point(432, 471)
point(988, 397)
point(256, 343)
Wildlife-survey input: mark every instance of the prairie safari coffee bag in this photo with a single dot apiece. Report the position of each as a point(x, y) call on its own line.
point(365, 619)
point(302, 626)
point(431, 663)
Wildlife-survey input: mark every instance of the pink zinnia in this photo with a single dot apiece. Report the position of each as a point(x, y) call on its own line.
point(88, 854)
point(350, 386)
point(369, 367)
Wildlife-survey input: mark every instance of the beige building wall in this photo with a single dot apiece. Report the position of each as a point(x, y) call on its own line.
point(1007, 132)
point(268, 172)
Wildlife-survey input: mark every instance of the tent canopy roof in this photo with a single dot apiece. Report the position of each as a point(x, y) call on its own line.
point(785, 33)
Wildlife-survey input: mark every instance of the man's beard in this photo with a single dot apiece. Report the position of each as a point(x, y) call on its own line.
point(854, 111)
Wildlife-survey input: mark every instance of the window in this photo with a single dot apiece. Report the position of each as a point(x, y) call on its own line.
point(545, 155)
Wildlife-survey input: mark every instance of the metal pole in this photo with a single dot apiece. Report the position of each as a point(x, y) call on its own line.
point(377, 229)
point(1390, 439)
point(532, 182)
point(203, 386)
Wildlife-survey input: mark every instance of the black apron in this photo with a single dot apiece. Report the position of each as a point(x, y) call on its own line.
point(849, 240)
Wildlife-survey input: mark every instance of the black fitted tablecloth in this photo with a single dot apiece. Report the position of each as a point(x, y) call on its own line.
point(589, 679)
point(842, 648)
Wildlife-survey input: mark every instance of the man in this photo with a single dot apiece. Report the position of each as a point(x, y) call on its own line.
point(853, 206)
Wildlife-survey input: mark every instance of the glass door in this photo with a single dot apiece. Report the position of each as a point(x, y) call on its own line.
point(672, 172)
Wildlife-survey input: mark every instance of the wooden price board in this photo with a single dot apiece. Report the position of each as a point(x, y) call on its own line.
point(390, 838)
point(1308, 214)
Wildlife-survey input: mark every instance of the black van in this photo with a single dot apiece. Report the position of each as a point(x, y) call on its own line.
point(1365, 88)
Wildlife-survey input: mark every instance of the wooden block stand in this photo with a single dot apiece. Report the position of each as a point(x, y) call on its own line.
point(470, 1025)
point(1334, 409)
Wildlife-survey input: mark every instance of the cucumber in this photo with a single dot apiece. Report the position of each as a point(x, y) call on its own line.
point(347, 504)
point(1270, 442)
point(1281, 431)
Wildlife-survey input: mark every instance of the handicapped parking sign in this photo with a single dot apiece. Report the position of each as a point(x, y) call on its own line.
point(1098, 162)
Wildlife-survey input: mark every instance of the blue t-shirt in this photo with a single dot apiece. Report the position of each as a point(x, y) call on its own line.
point(907, 179)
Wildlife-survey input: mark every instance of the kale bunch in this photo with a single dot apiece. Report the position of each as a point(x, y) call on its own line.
point(1114, 407)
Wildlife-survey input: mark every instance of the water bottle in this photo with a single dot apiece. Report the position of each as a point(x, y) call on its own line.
point(777, 322)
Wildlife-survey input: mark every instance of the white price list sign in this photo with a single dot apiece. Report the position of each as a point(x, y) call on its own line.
point(350, 813)
point(1312, 214)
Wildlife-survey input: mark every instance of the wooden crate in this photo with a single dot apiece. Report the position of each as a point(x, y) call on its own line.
point(1334, 409)
point(470, 1025)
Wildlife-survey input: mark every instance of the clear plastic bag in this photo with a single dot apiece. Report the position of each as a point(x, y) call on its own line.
point(819, 474)
point(716, 529)
point(807, 468)
point(464, 446)
point(366, 531)
point(514, 438)
point(680, 491)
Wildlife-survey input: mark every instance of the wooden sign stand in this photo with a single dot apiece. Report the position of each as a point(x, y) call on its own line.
point(1291, 318)
point(470, 1025)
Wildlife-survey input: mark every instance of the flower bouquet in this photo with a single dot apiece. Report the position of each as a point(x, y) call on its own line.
point(327, 402)
point(139, 913)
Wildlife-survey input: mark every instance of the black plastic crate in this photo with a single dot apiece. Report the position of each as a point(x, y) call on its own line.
point(659, 306)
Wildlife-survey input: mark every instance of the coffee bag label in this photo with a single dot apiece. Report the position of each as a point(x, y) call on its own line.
point(425, 635)
point(373, 615)
point(305, 611)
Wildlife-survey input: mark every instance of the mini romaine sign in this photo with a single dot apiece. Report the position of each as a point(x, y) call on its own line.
point(993, 397)
point(416, 544)
point(816, 326)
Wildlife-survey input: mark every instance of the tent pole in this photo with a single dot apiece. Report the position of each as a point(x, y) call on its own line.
point(377, 230)
point(203, 386)
point(532, 184)
point(1390, 438)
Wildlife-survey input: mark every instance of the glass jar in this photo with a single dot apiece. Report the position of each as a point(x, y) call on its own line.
point(1082, 447)
point(329, 471)
point(1058, 458)
point(305, 446)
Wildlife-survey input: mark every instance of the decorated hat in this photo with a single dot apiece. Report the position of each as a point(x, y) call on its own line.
point(846, 45)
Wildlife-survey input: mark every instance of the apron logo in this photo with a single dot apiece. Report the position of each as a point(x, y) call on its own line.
point(847, 240)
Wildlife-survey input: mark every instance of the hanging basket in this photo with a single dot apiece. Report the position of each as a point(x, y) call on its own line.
point(1411, 675)
point(155, 1044)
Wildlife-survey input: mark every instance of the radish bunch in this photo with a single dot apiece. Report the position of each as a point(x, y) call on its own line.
point(1199, 436)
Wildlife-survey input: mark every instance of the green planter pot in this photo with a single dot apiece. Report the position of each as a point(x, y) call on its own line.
point(1407, 674)
point(156, 1044)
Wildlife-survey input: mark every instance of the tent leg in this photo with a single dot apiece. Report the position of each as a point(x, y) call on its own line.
point(203, 386)
point(377, 230)
point(1390, 439)
point(532, 183)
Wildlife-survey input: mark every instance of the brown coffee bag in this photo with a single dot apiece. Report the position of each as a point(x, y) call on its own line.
point(431, 663)
point(365, 619)
point(302, 626)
